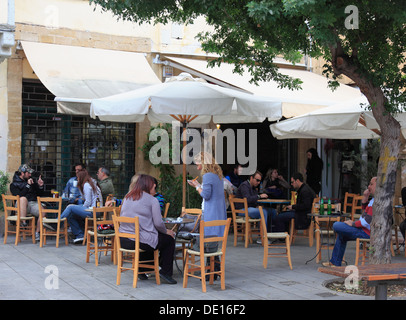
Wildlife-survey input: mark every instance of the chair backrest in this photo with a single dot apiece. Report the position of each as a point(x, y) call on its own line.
point(223, 238)
point(293, 197)
point(316, 201)
point(100, 216)
point(117, 221)
point(117, 210)
point(244, 210)
point(166, 209)
point(356, 205)
point(348, 202)
point(193, 212)
point(11, 204)
point(55, 207)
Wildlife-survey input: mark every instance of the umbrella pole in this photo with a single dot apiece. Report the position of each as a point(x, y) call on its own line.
point(184, 166)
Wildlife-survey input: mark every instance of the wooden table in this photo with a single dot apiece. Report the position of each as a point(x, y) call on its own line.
point(376, 275)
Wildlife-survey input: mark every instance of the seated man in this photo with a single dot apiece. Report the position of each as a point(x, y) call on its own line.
point(298, 211)
point(248, 190)
point(28, 190)
point(105, 182)
point(71, 190)
point(350, 230)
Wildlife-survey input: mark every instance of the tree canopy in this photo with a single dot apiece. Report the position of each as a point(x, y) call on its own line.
point(363, 40)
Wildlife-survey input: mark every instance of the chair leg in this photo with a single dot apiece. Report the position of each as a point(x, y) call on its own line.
point(86, 229)
point(87, 247)
point(185, 269)
point(223, 273)
point(33, 230)
point(247, 233)
point(5, 231)
point(136, 268)
point(356, 252)
point(287, 241)
point(203, 272)
point(265, 258)
point(311, 234)
point(119, 266)
point(156, 267)
point(17, 233)
point(41, 235)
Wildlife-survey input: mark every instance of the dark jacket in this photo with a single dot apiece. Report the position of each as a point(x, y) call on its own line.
point(303, 206)
point(20, 187)
point(245, 190)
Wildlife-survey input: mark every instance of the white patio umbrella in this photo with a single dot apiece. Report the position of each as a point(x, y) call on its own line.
point(186, 99)
point(347, 120)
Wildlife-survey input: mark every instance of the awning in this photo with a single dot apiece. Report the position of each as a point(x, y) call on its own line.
point(75, 75)
point(314, 94)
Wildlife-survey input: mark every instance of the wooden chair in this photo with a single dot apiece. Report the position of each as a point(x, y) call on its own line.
point(100, 216)
point(166, 209)
point(362, 245)
point(307, 233)
point(192, 265)
point(123, 254)
point(55, 210)
point(89, 225)
point(182, 244)
point(266, 236)
point(244, 226)
point(348, 202)
point(12, 204)
point(356, 207)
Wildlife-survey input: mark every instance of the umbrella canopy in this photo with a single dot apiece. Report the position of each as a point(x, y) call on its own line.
point(186, 99)
point(348, 120)
point(186, 96)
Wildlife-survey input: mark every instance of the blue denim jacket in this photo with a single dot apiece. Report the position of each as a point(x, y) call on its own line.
point(73, 192)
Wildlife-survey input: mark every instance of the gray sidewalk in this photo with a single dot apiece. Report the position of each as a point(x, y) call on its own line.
point(25, 275)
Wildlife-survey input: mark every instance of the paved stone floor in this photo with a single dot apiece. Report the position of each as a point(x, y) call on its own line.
point(28, 272)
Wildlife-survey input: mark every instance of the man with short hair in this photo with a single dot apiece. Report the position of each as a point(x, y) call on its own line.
point(105, 182)
point(350, 230)
point(28, 189)
point(71, 190)
point(248, 190)
point(298, 211)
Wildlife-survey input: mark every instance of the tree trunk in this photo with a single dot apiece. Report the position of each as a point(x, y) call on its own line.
point(381, 225)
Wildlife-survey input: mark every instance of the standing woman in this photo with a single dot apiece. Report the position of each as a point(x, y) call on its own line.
point(76, 213)
point(153, 234)
point(212, 192)
point(313, 170)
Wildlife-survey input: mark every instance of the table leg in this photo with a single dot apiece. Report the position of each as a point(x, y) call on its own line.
point(381, 291)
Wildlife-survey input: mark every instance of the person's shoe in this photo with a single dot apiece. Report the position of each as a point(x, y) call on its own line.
point(142, 276)
point(37, 236)
point(167, 279)
point(23, 224)
point(78, 240)
point(329, 264)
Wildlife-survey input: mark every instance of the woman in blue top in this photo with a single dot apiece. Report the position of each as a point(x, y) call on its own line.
point(212, 192)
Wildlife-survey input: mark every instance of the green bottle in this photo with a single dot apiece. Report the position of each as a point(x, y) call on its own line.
point(329, 207)
point(321, 212)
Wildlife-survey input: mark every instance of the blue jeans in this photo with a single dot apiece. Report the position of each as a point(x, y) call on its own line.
point(344, 233)
point(76, 214)
point(269, 214)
